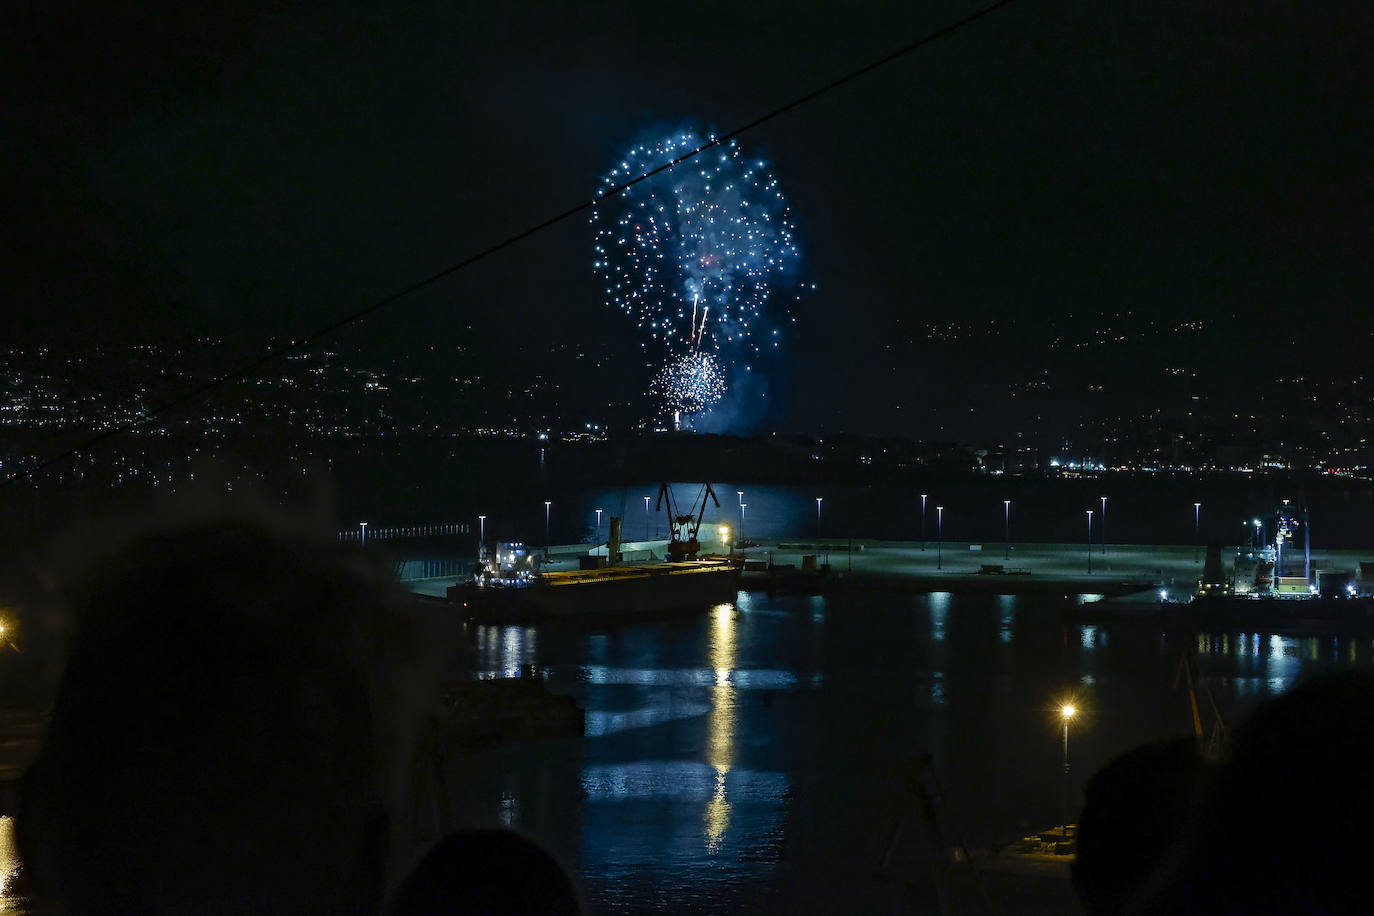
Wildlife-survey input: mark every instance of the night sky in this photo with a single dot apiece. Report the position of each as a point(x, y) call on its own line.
point(255, 169)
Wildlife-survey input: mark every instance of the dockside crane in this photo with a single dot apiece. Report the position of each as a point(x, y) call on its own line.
point(684, 526)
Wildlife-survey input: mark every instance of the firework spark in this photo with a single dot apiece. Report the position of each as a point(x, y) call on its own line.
point(695, 253)
point(691, 384)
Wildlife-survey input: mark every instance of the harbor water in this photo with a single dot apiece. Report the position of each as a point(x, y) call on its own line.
point(751, 758)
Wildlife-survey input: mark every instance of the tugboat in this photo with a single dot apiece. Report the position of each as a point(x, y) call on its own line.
point(507, 586)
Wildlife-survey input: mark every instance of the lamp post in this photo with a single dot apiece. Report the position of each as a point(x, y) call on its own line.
point(481, 535)
point(547, 504)
point(1090, 542)
point(818, 516)
point(923, 521)
point(1066, 712)
point(646, 518)
point(939, 537)
point(362, 539)
point(1103, 535)
point(1197, 523)
point(598, 526)
point(742, 507)
point(1006, 529)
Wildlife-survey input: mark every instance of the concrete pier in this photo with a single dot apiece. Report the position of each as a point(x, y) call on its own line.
point(966, 566)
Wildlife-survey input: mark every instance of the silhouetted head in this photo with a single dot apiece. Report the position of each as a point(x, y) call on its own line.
point(486, 873)
point(231, 731)
point(1283, 826)
point(1135, 809)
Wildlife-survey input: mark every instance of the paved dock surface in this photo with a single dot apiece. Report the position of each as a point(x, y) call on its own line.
point(956, 565)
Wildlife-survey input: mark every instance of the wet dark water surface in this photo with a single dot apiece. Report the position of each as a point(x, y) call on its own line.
point(751, 758)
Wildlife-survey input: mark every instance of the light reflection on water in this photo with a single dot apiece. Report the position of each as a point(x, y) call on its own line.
point(502, 650)
point(745, 679)
point(725, 752)
point(9, 868)
point(721, 725)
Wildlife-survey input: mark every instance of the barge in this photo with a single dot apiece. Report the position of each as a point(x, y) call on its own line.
point(507, 584)
point(615, 591)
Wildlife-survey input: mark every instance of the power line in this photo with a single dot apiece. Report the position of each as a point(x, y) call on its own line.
point(250, 368)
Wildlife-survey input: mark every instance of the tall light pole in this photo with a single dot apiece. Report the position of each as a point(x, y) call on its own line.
point(1090, 542)
point(1197, 523)
point(481, 534)
point(740, 494)
point(742, 507)
point(547, 504)
point(1066, 713)
point(1006, 529)
point(940, 537)
point(363, 537)
point(598, 526)
point(646, 518)
point(818, 516)
point(923, 521)
point(1103, 535)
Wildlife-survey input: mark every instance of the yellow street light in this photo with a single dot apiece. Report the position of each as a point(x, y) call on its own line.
point(1066, 713)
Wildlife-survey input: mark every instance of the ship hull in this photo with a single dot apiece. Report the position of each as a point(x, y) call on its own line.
point(1236, 613)
point(626, 592)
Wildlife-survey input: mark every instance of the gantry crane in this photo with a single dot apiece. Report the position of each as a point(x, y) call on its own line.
point(684, 526)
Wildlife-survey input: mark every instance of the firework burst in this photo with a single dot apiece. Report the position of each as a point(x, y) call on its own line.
point(694, 255)
point(691, 384)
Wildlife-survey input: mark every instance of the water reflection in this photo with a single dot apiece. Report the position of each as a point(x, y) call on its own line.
point(743, 678)
point(657, 711)
point(1278, 647)
point(1008, 616)
point(502, 650)
point(9, 864)
point(720, 742)
point(721, 725)
point(939, 615)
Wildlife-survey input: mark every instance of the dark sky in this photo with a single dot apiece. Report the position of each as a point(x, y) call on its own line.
point(257, 168)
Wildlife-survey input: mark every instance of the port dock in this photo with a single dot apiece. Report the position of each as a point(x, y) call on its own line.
point(865, 564)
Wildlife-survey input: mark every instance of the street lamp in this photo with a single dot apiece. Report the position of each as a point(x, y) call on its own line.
point(1197, 522)
point(646, 518)
point(1103, 535)
point(940, 537)
point(1006, 529)
point(740, 494)
point(1090, 542)
point(481, 534)
point(547, 503)
point(362, 539)
point(742, 507)
point(1066, 712)
point(818, 515)
point(598, 526)
point(923, 521)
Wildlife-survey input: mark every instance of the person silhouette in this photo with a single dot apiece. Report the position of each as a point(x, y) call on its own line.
point(1135, 809)
point(1280, 827)
point(233, 728)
